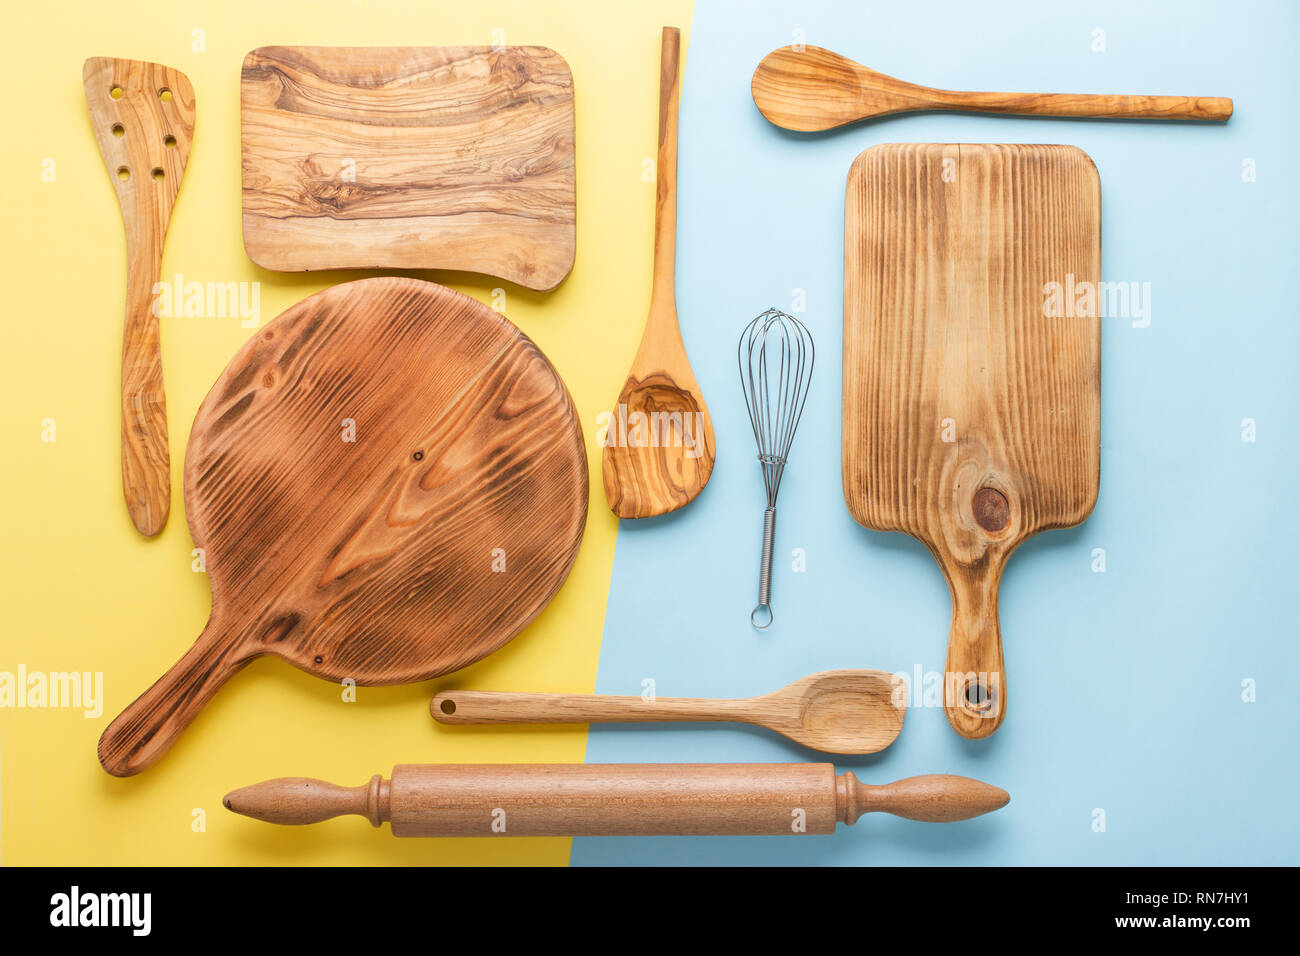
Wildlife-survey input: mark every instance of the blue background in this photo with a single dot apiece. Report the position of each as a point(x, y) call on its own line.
point(1125, 687)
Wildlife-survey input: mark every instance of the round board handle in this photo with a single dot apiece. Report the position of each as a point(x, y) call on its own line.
point(145, 731)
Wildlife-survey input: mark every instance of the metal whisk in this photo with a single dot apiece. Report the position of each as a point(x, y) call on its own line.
point(775, 357)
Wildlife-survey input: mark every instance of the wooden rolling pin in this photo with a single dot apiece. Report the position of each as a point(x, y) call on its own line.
point(457, 800)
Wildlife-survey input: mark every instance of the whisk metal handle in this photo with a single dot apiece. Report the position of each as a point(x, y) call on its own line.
point(763, 610)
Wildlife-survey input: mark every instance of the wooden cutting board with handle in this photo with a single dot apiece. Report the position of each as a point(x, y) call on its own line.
point(410, 158)
point(972, 394)
point(388, 482)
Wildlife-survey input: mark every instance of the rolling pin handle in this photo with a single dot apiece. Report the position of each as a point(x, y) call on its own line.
point(297, 801)
point(929, 798)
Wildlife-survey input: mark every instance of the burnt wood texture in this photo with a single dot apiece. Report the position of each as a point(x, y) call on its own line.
point(388, 483)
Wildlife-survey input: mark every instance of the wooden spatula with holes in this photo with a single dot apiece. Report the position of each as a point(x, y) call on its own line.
point(143, 118)
point(810, 89)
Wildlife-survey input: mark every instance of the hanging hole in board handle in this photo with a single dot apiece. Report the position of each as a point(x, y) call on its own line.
point(980, 697)
point(761, 616)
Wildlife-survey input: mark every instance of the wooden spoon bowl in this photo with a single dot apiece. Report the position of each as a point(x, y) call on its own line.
point(840, 712)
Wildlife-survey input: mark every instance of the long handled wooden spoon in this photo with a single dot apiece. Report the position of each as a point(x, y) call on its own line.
point(840, 712)
point(811, 89)
point(143, 118)
point(659, 445)
point(432, 800)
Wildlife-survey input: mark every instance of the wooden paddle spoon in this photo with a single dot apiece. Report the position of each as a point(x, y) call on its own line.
point(812, 89)
point(839, 712)
point(659, 445)
point(142, 115)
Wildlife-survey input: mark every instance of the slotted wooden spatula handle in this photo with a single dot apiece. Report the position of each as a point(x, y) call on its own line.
point(146, 455)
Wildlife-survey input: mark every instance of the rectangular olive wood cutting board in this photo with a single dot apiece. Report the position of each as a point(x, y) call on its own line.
point(410, 158)
point(972, 397)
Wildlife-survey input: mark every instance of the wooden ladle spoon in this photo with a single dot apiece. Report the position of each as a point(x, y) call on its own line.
point(839, 712)
point(812, 89)
point(659, 444)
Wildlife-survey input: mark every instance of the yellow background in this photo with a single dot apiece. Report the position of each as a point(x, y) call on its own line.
point(83, 591)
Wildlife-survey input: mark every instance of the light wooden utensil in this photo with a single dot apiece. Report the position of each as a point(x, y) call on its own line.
point(972, 397)
point(388, 482)
point(432, 800)
point(659, 448)
point(142, 115)
point(410, 158)
point(812, 89)
point(840, 712)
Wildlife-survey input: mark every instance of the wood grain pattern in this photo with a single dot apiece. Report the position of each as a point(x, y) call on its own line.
point(615, 799)
point(843, 711)
point(812, 89)
point(410, 158)
point(388, 482)
point(972, 417)
point(659, 449)
point(142, 115)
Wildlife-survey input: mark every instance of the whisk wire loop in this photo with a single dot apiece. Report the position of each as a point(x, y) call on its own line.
point(775, 358)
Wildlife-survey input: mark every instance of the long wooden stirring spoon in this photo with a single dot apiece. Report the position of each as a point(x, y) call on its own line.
point(813, 89)
point(142, 115)
point(840, 712)
point(659, 445)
